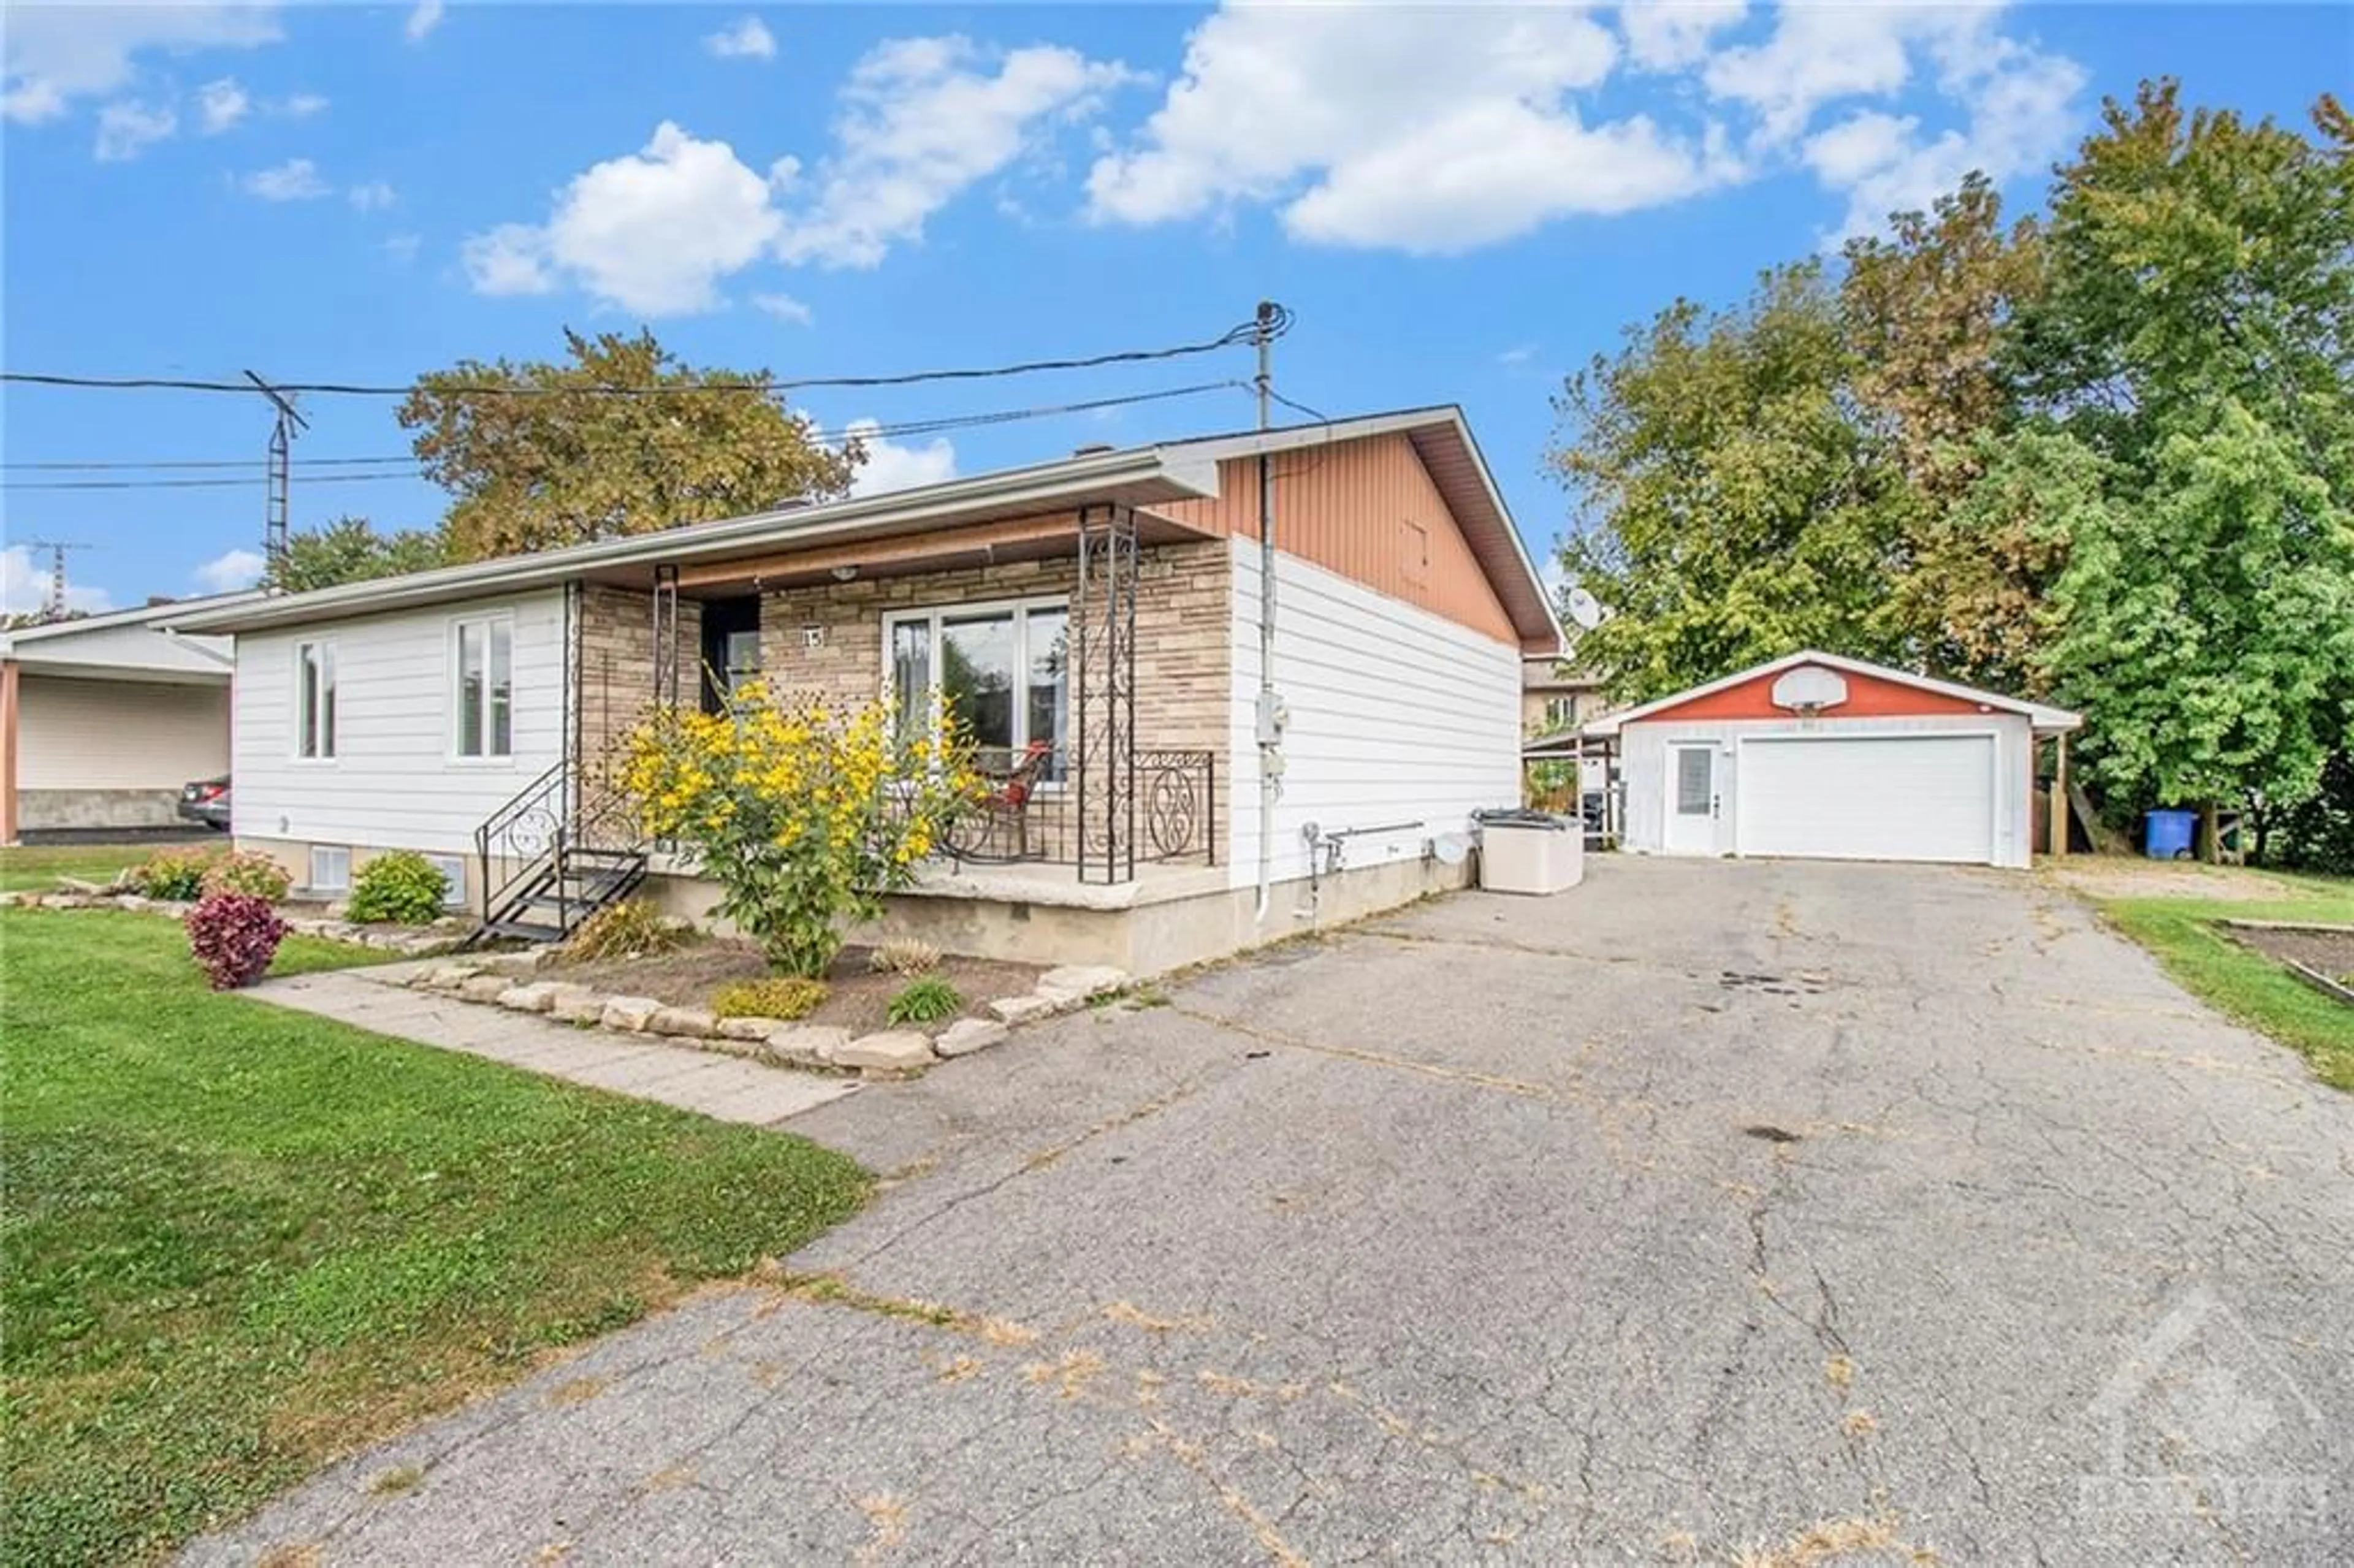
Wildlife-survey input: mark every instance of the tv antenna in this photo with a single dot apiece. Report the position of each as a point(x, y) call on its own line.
point(56, 605)
point(276, 510)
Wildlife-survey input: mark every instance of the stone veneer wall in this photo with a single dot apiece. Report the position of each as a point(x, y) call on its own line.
point(1183, 645)
point(617, 663)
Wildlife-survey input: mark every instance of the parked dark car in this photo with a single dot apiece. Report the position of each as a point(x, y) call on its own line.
point(206, 801)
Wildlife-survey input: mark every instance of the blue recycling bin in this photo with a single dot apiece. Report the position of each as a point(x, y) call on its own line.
point(2168, 835)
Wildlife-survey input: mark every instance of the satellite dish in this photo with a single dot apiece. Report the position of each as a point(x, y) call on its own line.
point(1450, 848)
point(1582, 608)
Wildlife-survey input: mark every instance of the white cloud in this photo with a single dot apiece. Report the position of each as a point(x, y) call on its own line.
point(127, 128)
point(785, 308)
point(221, 104)
point(296, 179)
point(231, 571)
point(924, 119)
point(508, 259)
point(1520, 354)
point(301, 106)
point(652, 231)
point(749, 39)
point(402, 248)
point(1429, 128)
point(2018, 108)
point(1670, 34)
point(372, 196)
point(25, 584)
point(890, 466)
point(422, 20)
point(52, 55)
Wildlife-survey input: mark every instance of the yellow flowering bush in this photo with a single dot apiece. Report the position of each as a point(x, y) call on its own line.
point(805, 815)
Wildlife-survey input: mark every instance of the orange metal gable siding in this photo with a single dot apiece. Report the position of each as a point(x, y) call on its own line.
point(1367, 510)
point(1868, 697)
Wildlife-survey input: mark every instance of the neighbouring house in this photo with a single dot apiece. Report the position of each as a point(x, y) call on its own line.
point(103, 718)
point(1823, 756)
point(1556, 696)
point(1095, 622)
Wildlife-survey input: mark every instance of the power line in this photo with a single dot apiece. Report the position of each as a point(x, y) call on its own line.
point(1245, 333)
point(403, 466)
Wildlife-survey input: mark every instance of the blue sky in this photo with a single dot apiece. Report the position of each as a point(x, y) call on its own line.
point(1459, 204)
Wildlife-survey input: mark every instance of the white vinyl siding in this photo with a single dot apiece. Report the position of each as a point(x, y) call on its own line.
point(1401, 720)
point(393, 782)
point(74, 733)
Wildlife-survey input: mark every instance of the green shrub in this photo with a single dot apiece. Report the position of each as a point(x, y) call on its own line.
point(903, 956)
point(623, 931)
point(402, 888)
point(174, 874)
point(925, 1001)
point(248, 872)
point(780, 996)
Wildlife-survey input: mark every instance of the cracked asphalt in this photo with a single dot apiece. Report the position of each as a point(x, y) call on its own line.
point(1711, 1210)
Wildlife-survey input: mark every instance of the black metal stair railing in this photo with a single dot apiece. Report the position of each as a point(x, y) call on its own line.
point(563, 845)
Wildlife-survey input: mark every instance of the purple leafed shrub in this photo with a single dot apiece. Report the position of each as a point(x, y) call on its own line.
point(234, 936)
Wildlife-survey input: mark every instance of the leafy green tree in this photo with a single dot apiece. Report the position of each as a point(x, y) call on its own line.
point(615, 440)
point(350, 550)
point(2197, 334)
point(1730, 507)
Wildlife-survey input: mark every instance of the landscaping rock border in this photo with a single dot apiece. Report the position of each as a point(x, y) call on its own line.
point(409, 941)
point(507, 979)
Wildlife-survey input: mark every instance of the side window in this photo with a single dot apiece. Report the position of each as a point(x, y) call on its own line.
point(484, 702)
point(315, 699)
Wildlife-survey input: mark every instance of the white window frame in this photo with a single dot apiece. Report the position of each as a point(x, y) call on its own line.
point(931, 616)
point(489, 625)
point(331, 852)
point(314, 741)
point(452, 868)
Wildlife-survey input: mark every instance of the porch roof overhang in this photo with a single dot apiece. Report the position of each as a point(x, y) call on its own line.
point(985, 517)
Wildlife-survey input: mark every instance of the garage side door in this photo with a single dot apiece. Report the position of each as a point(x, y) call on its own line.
point(1914, 797)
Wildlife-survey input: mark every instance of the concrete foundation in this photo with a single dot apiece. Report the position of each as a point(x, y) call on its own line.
point(86, 810)
point(1165, 920)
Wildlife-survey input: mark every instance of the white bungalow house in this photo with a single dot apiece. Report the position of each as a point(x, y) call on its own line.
point(1108, 619)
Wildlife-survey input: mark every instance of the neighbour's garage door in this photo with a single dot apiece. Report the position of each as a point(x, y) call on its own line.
point(1910, 797)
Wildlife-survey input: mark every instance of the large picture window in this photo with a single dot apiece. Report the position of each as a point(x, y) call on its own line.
point(484, 701)
point(315, 699)
point(1001, 673)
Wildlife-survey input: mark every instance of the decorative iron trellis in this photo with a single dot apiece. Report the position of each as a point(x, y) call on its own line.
point(1103, 625)
point(666, 608)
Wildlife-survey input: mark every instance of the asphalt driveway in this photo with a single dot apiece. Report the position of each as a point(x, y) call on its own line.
point(1712, 1209)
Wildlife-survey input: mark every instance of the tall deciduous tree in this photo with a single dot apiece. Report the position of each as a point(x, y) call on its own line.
point(617, 439)
point(1730, 508)
point(2198, 335)
point(350, 550)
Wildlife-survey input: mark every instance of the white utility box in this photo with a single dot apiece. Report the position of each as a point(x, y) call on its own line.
point(1530, 852)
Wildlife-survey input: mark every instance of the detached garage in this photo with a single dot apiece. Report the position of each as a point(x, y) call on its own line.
point(1821, 756)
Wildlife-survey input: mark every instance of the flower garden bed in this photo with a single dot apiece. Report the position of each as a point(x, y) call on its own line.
point(538, 981)
point(856, 997)
point(2321, 956)
point(303, 919)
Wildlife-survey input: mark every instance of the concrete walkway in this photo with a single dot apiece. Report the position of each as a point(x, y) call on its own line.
point(721, 1088)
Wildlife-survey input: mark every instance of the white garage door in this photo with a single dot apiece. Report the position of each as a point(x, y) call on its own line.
point(1913, 796)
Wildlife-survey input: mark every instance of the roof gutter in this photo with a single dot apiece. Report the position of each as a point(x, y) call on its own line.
point(898, 512)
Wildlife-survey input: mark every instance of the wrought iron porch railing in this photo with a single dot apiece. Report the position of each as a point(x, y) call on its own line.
point(1157, 805)
point(560, 850)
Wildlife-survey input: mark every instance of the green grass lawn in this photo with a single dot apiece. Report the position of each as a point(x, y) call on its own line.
point(39, 864)
point(2245, 984)
point(240, 1241)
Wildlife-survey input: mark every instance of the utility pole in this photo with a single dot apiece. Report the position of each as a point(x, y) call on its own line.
point(1270, 715)
point(277, 509)
point(56, 605)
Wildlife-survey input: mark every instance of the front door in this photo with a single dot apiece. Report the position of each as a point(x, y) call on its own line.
point(1692, 799)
